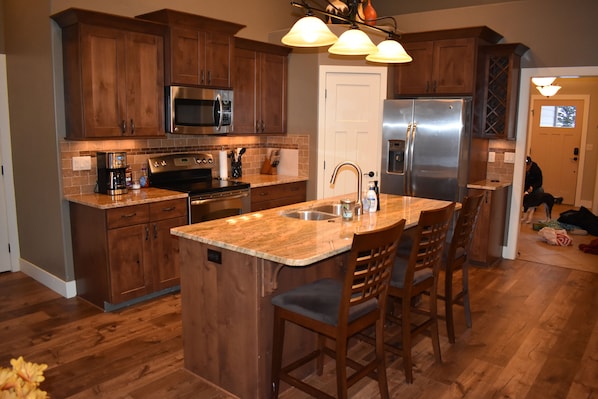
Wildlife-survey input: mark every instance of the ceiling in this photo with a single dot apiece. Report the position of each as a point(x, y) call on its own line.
point(394, 7)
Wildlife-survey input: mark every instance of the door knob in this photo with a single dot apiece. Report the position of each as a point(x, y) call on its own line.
point(370, 173)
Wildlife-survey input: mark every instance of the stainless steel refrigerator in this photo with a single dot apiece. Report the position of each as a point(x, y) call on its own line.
point(428, 149)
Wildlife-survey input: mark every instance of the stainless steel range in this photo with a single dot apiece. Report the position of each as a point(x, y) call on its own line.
point(209, 198)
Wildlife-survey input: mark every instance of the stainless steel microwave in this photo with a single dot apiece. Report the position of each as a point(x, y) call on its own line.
point(195, 110)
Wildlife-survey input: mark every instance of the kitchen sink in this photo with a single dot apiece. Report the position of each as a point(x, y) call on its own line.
point(334, 209)
point(319, 212)
point(309, 214)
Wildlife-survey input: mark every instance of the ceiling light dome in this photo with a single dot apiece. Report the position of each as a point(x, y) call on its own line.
point(543, 81)
point(389, 51)
point(353, 42)
point(309, 31)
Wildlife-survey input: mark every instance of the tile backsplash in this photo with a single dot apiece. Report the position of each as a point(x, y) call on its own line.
point(499, 169)
point(139, 150)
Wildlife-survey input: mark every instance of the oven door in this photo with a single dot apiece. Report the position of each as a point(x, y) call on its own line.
point(206, 207)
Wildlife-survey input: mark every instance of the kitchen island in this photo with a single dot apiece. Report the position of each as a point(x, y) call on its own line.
point(230, 269)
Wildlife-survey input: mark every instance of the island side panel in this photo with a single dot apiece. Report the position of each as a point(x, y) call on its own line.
point(219, 313)
point(227, 315)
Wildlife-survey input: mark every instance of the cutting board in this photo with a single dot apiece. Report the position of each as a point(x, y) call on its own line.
point(289, 162)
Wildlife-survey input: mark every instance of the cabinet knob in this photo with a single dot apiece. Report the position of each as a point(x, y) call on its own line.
point(123, 126)
point(132, 127)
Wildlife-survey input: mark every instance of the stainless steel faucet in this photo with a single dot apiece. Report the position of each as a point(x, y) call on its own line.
point(358, 209)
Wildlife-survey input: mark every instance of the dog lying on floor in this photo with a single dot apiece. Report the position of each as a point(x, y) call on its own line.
point(533, 200)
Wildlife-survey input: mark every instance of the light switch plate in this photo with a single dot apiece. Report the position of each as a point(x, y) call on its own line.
point(509, 157)
point(81, 163)
point(491, 156)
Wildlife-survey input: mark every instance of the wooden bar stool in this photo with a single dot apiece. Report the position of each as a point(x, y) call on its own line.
point(338, 310)
point(455, 259)
point(417, 275)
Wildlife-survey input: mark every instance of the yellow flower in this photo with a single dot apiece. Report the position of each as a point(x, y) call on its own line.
point(30, 372)
point(22, 381)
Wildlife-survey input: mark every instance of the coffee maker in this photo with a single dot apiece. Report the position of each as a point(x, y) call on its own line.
point(112, 168)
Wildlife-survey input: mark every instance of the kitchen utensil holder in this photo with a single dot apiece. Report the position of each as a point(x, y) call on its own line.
point(236, 168)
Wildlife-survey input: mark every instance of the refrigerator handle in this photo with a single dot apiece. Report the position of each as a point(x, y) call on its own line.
point(409, 158)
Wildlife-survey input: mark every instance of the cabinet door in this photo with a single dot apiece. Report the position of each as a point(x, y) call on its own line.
point(103, 56)
point(217, 59)
point(145, 84)
point(130, 273)
point(184, 57)
point(272, 93)
point(415, 77)
point(245, 84)
point(454, 66)
point(165, 251)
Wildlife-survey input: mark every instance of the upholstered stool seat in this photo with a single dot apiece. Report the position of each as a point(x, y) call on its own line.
point(321, 301)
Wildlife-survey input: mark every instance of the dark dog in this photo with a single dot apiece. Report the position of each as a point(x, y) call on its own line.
point(531, 201)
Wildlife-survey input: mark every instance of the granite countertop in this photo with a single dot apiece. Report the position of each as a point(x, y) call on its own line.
point(270, 235)
point(151, 194)
point(133, 197)
point(489, 185)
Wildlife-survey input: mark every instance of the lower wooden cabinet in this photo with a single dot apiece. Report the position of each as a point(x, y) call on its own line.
point(125, 253)
point(489, 235)
point(277, 195)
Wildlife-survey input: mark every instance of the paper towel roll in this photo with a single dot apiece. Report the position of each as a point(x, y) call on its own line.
point(223, 161)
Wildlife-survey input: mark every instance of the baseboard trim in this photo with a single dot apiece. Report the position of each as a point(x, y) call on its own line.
point(67, 289)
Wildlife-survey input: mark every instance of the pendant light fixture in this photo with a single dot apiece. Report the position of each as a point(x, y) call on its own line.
point(311, 31)
point(353, 42)
point(545, 86)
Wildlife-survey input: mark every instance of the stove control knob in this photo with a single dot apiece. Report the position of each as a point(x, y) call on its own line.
point(210, 160)
point(163, 163)
point(156, 164)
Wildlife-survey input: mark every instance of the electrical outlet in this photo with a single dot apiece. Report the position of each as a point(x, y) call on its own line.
point(491, 156)
point(509, 157)
point(81, 163)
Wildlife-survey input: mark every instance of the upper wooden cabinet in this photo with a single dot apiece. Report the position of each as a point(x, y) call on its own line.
point(198, 49)
point(260, 84)
point(444, 62)
point(498, 90)
point(113, 75)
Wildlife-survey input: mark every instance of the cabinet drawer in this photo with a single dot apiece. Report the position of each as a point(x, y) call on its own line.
point(127, 216)
point(168, 209)
point(277, 195)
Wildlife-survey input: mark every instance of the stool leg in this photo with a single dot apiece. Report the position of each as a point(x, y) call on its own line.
point(277, 346)
point(406, 332)
point(382, 379)
point(341, 368)
point(466, 304)
point(434, 329)
point(448, 305)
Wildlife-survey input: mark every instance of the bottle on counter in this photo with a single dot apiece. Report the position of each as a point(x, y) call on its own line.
point(371, 198)
point(143, 180)
point(377, 190)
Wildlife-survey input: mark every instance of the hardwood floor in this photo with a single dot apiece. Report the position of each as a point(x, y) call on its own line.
point(534, 335)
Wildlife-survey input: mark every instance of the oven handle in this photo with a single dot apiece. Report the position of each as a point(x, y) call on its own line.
point(224, 196)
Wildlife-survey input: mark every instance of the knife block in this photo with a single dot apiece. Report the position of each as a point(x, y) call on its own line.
point(267, 168)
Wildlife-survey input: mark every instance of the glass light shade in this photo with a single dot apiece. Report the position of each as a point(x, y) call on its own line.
point(548, 91)
point(353, 42)
point(309, 31)
point(543, 81)
point(389, 51)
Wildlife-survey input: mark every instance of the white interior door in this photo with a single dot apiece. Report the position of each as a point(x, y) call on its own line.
point(556, 137)
point(351, 102)
point(8, 229)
